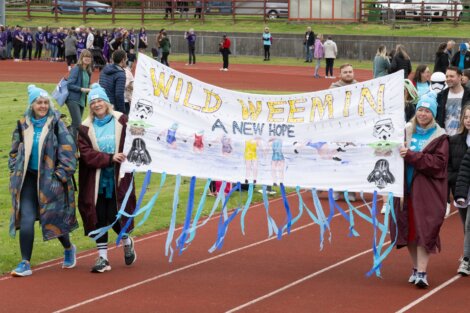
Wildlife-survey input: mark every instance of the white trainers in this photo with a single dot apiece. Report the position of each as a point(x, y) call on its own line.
point(384, 209)
point(412, 278)
point(221, 69)
point(464, 268)
point(421, 280)
point(225, 69)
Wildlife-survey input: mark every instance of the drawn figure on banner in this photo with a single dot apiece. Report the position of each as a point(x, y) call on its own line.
point(381, 174)
point(143, 109)
point(334, 151)
point(138, 153)
point(277, 161)
point(138, 127)
point(198, 145)
point(170, 135)
point(383, 130)
point(251, 159)
point(225, 144)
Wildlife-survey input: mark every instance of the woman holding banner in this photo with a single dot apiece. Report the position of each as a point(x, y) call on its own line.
point(101, 142)
point(419, 220)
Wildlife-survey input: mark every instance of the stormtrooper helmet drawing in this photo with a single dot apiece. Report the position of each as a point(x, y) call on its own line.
point(143, 109)
point(138, 153)
point(383, 129)
point(381, 174)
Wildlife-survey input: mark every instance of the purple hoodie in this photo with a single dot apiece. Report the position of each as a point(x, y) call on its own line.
point(318, 52)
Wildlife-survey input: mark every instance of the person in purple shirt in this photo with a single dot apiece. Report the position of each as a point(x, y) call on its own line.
point(9, 31)
point(61, 34)
point(106, 49)
point(18, 40)
point(48, 36)
point(142, 40)
point(81, 43)
point(28, 44)
point(3, 42)
point(40, 40)
point(54, 44)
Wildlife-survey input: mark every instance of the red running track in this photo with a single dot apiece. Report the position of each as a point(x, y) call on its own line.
point(251, 273)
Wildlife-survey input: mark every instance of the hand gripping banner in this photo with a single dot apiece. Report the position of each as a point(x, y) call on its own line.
point(343, 139)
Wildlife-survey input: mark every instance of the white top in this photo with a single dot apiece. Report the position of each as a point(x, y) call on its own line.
point(330, 49)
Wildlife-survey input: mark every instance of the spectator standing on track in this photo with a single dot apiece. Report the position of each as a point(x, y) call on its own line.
point(70, 44)
point(461, 59)
point(18, 40)
point(346, 78)
point(401, 61)
point(318, 54)
point(422, 79)
point(224, 48)
point(78, 86)
point(420, 218)
point(113, 80)
point(9, 31)
point(309, 41)
point(451, 100)
point(101, 142)
point(442, 60)
point(459, 181)
point(331, 51)
point(142, 40)
point(28, 44)
point(267, 42)
point(165, 46)
point(381, 62)
point(190, 37)
point(40, 41)
point(42, 163)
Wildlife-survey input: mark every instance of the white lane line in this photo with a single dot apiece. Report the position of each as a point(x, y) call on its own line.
point(297, 282)
point(182, 269)
point(59, 261)
point(308, 277)
point(429, 294)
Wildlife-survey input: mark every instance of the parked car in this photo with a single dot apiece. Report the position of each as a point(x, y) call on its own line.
point(70, 6)
point(274, 9)
point(438, 9)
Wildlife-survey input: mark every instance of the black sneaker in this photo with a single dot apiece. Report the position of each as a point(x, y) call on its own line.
point(101, 265)
point(129, 253)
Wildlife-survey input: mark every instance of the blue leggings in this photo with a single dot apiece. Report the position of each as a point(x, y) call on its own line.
point(29, 212)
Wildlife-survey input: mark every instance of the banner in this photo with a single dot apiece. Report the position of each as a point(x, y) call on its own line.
point(344, 138)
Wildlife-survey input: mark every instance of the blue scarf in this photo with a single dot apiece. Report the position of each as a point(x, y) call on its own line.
point(40, 122)
point(103, 121)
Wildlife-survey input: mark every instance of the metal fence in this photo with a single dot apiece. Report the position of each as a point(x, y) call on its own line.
point(397, 12)
point(144, 10)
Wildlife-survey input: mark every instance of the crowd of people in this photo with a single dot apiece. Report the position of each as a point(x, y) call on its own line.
point(437, 112)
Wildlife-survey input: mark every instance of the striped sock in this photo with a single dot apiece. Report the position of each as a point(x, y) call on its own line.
point(103, 250)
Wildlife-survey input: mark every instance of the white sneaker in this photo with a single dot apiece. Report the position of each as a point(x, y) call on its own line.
point(464, 268)
point(351, 197)
point(225, 69)
point(221, 69)
point(335, 195)
point(384, 209)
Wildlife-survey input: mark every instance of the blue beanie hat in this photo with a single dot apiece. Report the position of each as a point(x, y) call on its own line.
point(428, 101)
point(463, 46)
point(35, 92)
point(97, 92)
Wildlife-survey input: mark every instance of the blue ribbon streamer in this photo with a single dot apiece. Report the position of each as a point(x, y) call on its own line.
point(272, 227)
point(324, 224)
point(103, 230)
point(148, 208)
point(171, 229)
point(288, 213)
point(334, 205)
point(299, 215)
point(247, 205)
point(143, 190)
point(189, 213)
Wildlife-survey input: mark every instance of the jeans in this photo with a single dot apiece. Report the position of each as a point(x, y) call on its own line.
point(9, 48)
point(308, 53)
point(29, 213)
point(465, 216)
point(54, 51)
point(76, 113)
point(317, 67)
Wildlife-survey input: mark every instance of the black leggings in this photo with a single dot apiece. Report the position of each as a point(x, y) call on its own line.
point(329, 66)
point(192, 54)
point(267, 54)
point(17, 44)
point(29, 213)
point(164, 59)
point(106, 211)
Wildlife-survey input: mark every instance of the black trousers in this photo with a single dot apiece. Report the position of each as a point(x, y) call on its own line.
point(38, 52)
point(329, 66)
point(106, 210)
point(192, 54)
point(267, 53)
point(225, 54)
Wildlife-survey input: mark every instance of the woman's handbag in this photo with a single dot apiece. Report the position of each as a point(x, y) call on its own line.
point(61, 92)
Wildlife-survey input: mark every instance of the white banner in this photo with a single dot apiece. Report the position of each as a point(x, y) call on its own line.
point(345, 138)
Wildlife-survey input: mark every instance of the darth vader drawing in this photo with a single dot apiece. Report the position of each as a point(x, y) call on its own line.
point(381, 174)
point(138, 153)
